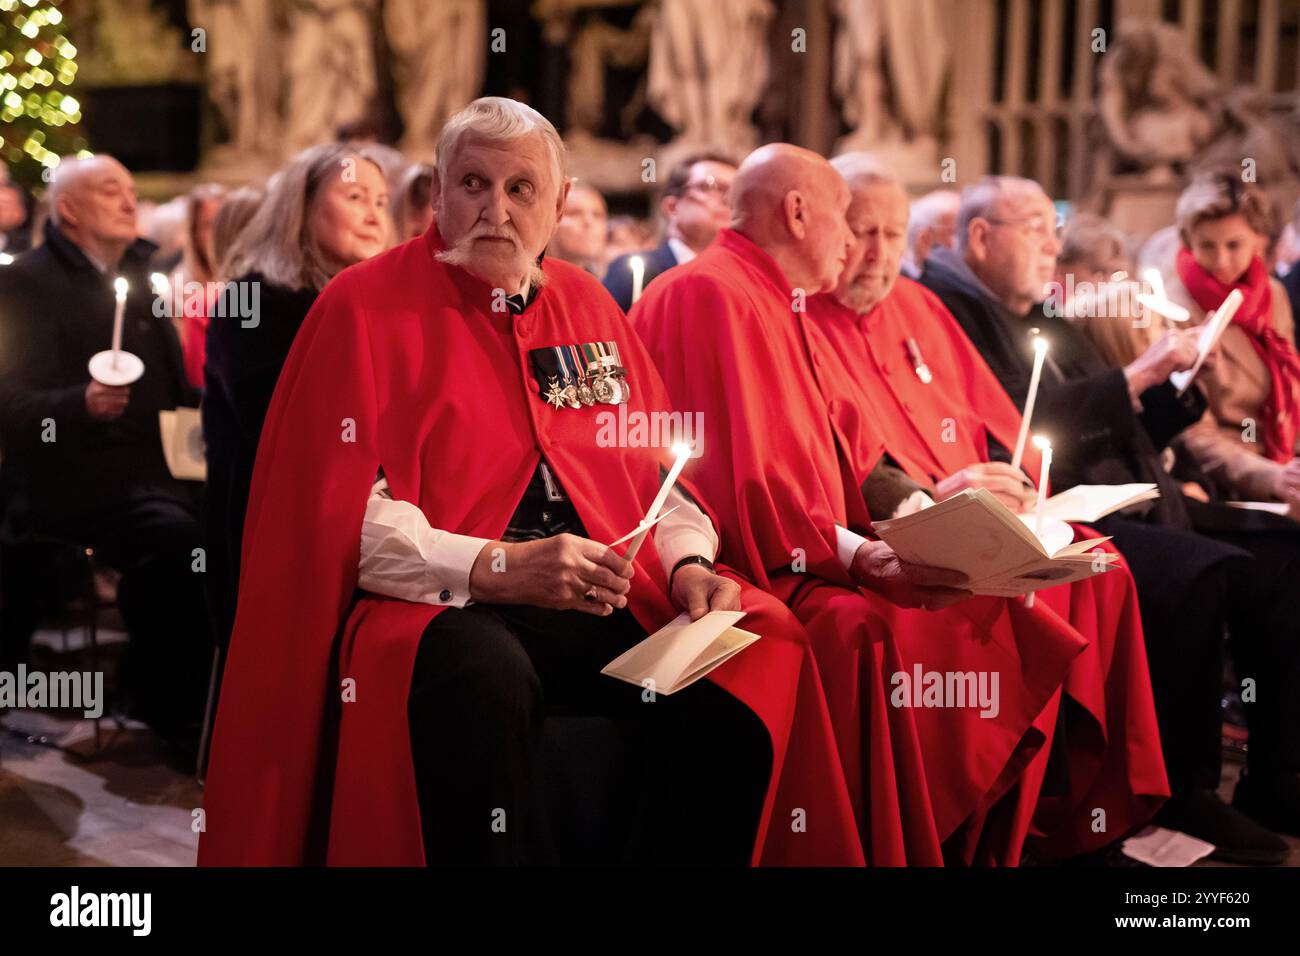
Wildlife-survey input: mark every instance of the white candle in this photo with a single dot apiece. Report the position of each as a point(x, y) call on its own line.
point(119, 288)
point(637, 265)
point(1045, 448)
point(1040, 353)
point(683, 452)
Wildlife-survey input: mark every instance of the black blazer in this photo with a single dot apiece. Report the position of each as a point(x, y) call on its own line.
point(240, 370)
point(1083, 403)
point(618, 278)
point(56, 311)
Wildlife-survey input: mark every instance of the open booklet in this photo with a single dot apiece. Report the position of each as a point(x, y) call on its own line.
point(681, 652)
point(976, 534)
point(1088, 503)
point(1208, 338)
point(182, 442)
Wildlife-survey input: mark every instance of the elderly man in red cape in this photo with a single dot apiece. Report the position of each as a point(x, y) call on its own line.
point(786, 459)
point(943, 417)
point(424, 578)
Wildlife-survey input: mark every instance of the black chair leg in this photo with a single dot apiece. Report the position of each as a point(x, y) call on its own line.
point(209, 716)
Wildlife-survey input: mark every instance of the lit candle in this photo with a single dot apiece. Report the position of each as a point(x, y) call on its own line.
point(1040, 353)
point(1045, 449)
point(119, 288)
point(683, 452)
point(637, 265)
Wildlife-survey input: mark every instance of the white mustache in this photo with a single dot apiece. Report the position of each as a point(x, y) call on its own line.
point(494, 232)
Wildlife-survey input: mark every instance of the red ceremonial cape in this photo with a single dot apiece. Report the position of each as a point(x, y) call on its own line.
point(734, 346)
point(404, 363)
point(933, 430)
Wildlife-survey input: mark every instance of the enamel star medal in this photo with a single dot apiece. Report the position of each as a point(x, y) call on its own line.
point(555, 394)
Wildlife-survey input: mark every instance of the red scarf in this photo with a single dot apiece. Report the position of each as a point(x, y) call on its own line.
point(1282, 407)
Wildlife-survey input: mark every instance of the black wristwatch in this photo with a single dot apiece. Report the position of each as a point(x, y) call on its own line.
point(689, 559)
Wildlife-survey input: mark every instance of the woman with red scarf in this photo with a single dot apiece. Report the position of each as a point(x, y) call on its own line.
point(1245, 443)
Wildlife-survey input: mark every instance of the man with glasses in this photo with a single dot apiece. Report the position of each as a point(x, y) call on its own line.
point(695, 206)
point(1192, 561)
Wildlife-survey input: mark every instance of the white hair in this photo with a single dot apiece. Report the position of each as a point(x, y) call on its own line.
point(981, 199)
point(498, 119)
point(927, 211)
point(62, 178)
point(860, 168)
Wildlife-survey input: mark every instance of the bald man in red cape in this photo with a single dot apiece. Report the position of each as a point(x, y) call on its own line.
point(352, 725)
point(733, 344)
point(942, 415)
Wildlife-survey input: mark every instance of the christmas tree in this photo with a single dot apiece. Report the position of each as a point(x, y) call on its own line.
point(38, 113)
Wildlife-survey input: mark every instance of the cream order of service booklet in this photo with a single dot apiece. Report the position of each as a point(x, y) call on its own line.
point(976, 534)
point(182, 442)
point(681, 652)
point(1088, 503)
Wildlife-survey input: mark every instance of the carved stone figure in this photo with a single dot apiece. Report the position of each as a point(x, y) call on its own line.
point(890, 64)
point(708, 67)
point(439, 53)
point(330, 65)
point(243, 77)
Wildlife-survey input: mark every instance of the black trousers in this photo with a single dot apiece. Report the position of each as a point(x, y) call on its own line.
point(1237, 574)
point(151, 540)
point(1183, 584)
point(1263, 628)
point(690, 786)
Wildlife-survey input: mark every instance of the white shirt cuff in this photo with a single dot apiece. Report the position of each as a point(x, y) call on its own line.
point(685, 532)
point(846, 545)
point(403, 557)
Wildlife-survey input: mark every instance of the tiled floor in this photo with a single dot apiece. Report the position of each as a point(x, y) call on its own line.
point(122, 807)
point(125, 807)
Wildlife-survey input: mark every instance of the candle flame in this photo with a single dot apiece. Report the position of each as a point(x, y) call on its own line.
point(120, 286)
point(159, 282)
point(682, 450)
point(1041, 442)
point(1040, 344)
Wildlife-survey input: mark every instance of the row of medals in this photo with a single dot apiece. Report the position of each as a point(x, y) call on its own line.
point(607, 386)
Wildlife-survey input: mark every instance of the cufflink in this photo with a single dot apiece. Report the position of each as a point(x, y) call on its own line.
point(444, 595)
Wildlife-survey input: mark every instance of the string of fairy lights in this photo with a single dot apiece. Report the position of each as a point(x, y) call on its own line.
point(37, 67)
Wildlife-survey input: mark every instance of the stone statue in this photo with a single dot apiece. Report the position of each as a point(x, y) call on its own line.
point(243, 78)
point(439, 52)
point(1156, 99)
point(890, 66)
point(1163, 117)
point(598, 45)
point(1166, 116)
point(121, 29)
point(708, 67)
point(330, 66)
